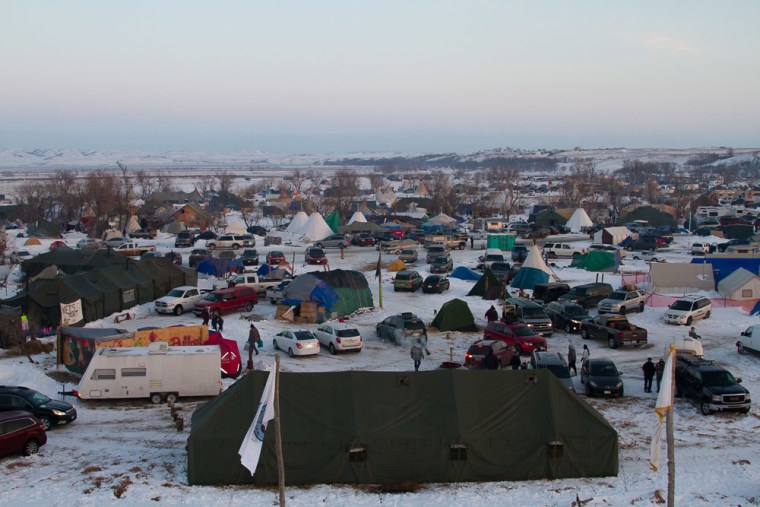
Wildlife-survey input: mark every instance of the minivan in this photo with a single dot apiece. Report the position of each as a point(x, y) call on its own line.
point(687, 309)
point(525, 311)
point(587, 295)
point(548, 292)
point(555, 363)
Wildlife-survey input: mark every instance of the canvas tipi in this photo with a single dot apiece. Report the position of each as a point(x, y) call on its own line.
point(533, 271)
point(358, 216)
point(316, 228)
point(579, 220)
point(297, 224)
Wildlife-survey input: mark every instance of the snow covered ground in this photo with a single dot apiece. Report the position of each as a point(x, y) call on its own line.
point(133, 448)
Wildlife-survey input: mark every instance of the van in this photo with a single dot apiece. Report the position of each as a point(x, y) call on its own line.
point(530, 313)
point(749, 341)
point(687, 309)
point(587, 295)
point(555, 363)
point(548, 292)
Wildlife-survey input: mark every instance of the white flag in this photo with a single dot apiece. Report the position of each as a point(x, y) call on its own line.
point(71, 313)
point(664, 403)
point(250, 449)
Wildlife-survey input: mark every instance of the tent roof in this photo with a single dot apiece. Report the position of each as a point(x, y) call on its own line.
point(736, 280)
point(298, 222)
point(358, 216)
point(454, 315)
point(316, 228)
point(579, 220)
point(682, 277)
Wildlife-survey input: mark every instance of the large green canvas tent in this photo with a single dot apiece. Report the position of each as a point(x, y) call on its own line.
point(395, 427)
point(70, 260)
point(488, 287)
point(595, 260)
point(454, 315)
point(334, 221)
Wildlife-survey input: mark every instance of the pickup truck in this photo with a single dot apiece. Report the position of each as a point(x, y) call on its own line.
point(132, 249)
point(710, 386)
point(396, 246)
point(615, 329)
point(253, 280)
point(275, 294)
point(451, 242)
point(623, 301)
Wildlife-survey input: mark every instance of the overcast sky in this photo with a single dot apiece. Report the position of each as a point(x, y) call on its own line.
point(324, 76)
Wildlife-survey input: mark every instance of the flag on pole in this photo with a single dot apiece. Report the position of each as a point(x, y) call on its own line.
point(378, 269)
point(250, 449)
point(664, 403)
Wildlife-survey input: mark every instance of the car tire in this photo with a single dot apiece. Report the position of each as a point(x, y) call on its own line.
point(622, 392)
point(622, 310)
point(584, 334)
point(707, 315)
point(47, 423)
point(704, 408)
point(611, 343)
point(332, 350)
point(274, 344)
point(740, 349)
point(178, 310)
point(235, 246)
point(588, 390)
point(171, 398)
point(689, 321)
point(155, 398)
point(641, 308)
point(568, 327)
point(212, 246)
point(31, 447)
point(290, 352)
point(248, 306)
point(397, 252)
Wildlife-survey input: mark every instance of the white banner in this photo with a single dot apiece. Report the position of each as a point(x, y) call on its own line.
point(250, 449)
point(664, 403)
point(71, 313)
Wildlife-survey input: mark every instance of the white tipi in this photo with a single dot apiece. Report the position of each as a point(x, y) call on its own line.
point(358, 216)
point(316, 228)
point(296, 226)
point(579, 220)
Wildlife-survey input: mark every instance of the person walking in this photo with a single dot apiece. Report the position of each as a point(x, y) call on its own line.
point(649, 371)
point(571, 357)
point(659, 369)
point(492, 315)
point(492, 362)
point(416, 354)
point(585, 355)
point(253, 339)
point(515, 361)
point(205, 315)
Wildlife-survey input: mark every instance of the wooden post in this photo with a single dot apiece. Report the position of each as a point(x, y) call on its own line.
point(277, 432)
point(671, 440)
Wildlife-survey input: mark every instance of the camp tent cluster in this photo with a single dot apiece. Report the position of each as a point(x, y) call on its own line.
point(340, 292)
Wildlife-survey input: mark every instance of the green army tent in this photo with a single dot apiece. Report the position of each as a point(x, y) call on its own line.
point(595, 260)
point(131, 291)
point(71, 260)
point(395, 427)
point(454, 315)
point(488, 287)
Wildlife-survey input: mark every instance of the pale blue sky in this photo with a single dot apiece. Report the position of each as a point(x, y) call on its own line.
point(335, 76)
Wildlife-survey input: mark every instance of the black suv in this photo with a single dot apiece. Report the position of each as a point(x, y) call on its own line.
point(250, 257)
point(710, 386)
point(50, 412)
point(184, 239)
point(587, 295)
point(567, 316)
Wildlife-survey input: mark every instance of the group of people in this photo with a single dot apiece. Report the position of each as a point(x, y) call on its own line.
point(572, 357)
point(217, 322)
point(652, 371)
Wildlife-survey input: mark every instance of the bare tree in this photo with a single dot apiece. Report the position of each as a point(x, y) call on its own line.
point(147, 183)
point(102, 187)
point(206, 184)
point(31, 198)
point(225, 180)
point(344, 189)
point(125, 196)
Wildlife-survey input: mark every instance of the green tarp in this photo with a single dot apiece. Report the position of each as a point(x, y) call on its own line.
point(454, 315)
point(595, 260)
point(395, 427)
point(334, 221)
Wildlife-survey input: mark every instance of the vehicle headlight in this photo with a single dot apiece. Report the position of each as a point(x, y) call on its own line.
point(59, 413)
point(576, 322)
point(529, 325)
point(618, 385)
point(715, 397)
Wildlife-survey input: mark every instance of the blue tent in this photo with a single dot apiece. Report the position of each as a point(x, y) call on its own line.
point(725, 266)
point(464, 273)
point(212, 266)
point(340, 292)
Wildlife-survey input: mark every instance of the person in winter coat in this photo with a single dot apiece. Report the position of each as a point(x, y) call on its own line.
point(492, 315)
point(205, 316)
point(571, 357)
point(515, 361)
point(693, 334)
point(659, 369)
point(492, 362)
point(253, 339)
point(217, 322)
point(585, 355)
point(416, 354)
point(649, 371)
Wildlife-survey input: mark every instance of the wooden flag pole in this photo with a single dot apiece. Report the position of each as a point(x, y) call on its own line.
point(671, 439)
point(277, 432)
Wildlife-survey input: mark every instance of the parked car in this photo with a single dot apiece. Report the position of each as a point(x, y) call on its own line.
point(475, 358)
point(184, 239)
point(601, 377)
point(647, 256)
point(58, 244)
point(401, 328)
point(250, 257)
point(687, 309)
point(233, 241)
point(19, 256)
point(275, 294)
point(50, 412)
point(711, 387)
point(339, 337)
point(296, 343)
point(435, 284)
point(524, 311)
point(174, 257)
point(519, 253)
point(227, 300)
point(227, 255)
point(623, 301)
point(567, 316)
point(21, 432)
point(178, 300)
point(587, 295)
point(275, 258)
point(407, 279)
point(88, 243)
point(408, 255)
point(143, 234)
point(442, 264)
point(548, 292)
point(363, 239)
point(492, 255)
point(749, 341)
point(112, 242)
point(521, 337)
point(315, 255)
point(555, 363)
point(734, 242)
point(561, 250)
point(197, 255)
point(435, 251)
point(501, 270)
point(206, 235)
point(334, 241)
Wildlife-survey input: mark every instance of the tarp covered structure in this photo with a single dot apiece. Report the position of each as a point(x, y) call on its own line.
point(595, 260)
point(73, 260)
point(213, 266)
point(612, 235)
point(652, 215)
point(339, 291)
point(488, 287)
point(454, 315)
point(681, 278)
point(174, 227)
point(396, 427)
point(464, 273)
point(533, 271)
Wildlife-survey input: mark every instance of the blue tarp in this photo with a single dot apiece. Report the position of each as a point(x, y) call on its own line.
point(213, 266)
point(464, 273)
point(756, 309)
point(321, 293)
point(724, 267)
point(527, 278)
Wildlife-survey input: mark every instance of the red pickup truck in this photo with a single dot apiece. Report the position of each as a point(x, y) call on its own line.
point(227, 300)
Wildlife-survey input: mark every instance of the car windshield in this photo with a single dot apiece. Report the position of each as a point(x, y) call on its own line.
point(617, 295)
point(718, 378)
point(534, 313)
point(303, 335)
point(441, 260)
point(681, 305)
point(176, 293)
point(523, 331)
point(316, 252)
point(213, 297)
point(494, 258)
point(604, 370)
point(478, 350)
point(559, 370)
point(347, 333)
point(37, 399)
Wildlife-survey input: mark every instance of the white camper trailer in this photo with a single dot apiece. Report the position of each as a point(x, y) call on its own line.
point(156, 372)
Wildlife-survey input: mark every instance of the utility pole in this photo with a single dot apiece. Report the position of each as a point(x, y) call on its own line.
point(278, 432)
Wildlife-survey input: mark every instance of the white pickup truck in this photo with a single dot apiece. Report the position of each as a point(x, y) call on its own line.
point(253, 280)
point(178, 300)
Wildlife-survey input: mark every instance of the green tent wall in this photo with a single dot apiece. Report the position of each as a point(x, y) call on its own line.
point(454, 315)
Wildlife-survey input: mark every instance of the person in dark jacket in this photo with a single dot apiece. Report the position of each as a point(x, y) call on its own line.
point(492, 362)
point(571, 358)
point(649, 371)
point(515, 361)
point(659, 370)
point(253, 339)
point(492, 315)
point(205, 316)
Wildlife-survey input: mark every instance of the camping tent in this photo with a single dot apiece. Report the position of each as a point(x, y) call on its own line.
point(681, 278)
point(579, 221)
point(741, 285)
point(73, 260)
point(45, 229)
point(236, 227)
point(487, 287)
point(358, 216)
point(316, 228)
point(396, 427)
point(296, 225)
point(612, 235)
point(534, 270)
point(334, 221)
point(454, 315)
point(32, 242)
point(133, 224)
point(464, 273)
point(548, 217)
point(652, 215)
point(213, 266)
point(596, 260)
point(339, 291)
